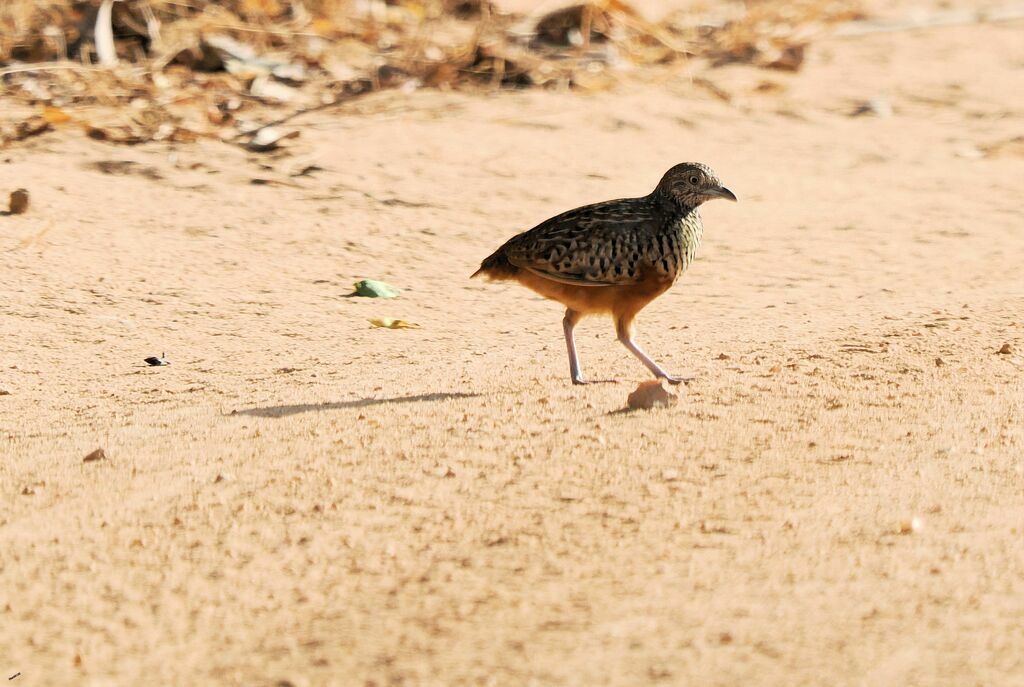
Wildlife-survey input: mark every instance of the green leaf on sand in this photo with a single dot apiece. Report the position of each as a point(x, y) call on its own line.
point(371, 288)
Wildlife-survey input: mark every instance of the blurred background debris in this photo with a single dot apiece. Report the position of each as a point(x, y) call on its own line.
point(132, 71)
point(18, 203)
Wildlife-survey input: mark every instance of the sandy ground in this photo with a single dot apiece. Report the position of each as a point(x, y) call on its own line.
point(303, 499)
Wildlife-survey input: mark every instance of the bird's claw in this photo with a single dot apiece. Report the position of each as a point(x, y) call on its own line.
point(677, 380)
point(581, 381)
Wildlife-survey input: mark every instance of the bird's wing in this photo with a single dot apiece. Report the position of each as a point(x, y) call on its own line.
point(594, 245)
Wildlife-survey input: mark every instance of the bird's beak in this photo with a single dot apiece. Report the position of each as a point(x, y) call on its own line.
point(722, 192)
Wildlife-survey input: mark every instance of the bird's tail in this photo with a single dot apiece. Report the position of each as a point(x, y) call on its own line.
point(496, 267)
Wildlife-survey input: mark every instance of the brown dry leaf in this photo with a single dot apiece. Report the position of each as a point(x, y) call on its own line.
point(114, 134)
point(789, 59)
point(505, 66)
point(93, 456)
point(124, 168)
point(769, 87)
point(576, 25)
point(33, 126)
point(179, 134)
point(442, 75)
point(717, 91)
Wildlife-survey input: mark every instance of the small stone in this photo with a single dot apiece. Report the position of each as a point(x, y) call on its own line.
point(268, 138)
point(1006, 350)
point(939, 362)
point(911, 526)
point(879, 107)
point(98, 454)
point(18, 202)
point(222, 478)
point(651, 394)
point(723, 356)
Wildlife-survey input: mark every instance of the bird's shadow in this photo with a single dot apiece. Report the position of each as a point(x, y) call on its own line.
point(285, 411)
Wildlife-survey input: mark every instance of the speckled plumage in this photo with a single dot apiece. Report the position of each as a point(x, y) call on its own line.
point(612, 257)
point(615, 242)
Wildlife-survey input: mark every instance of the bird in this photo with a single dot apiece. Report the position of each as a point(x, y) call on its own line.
point(157, 361)
point(613, 258)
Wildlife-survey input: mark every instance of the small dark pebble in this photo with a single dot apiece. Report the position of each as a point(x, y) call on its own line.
point(18, 202)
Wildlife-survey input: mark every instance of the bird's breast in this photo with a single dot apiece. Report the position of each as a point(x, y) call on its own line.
point(671, 250)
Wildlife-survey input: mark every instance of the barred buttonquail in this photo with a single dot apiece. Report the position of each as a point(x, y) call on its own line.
point(613, 257)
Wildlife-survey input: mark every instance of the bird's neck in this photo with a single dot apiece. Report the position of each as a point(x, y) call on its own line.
point(678, 212)
point(684, 222)
point(672, 205)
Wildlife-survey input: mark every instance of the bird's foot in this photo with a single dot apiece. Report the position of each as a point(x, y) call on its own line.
point(581, 381)
point(678, 380)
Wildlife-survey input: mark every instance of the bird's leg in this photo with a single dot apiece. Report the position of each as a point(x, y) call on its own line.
point(624, 329)
point(568, 324)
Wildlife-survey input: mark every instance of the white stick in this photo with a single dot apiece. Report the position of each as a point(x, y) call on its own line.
point(105, 50)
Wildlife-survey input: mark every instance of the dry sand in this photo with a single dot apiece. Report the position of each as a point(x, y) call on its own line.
point(301, 498)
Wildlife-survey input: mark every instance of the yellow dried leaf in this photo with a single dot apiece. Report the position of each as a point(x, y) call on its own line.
point(55, 115)
point(261, 8)
point(389, 323)
point(324, 27)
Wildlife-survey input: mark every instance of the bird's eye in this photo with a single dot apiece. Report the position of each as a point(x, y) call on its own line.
point(694, 180)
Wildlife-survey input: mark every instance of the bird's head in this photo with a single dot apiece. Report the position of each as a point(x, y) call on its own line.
point(691, 184)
